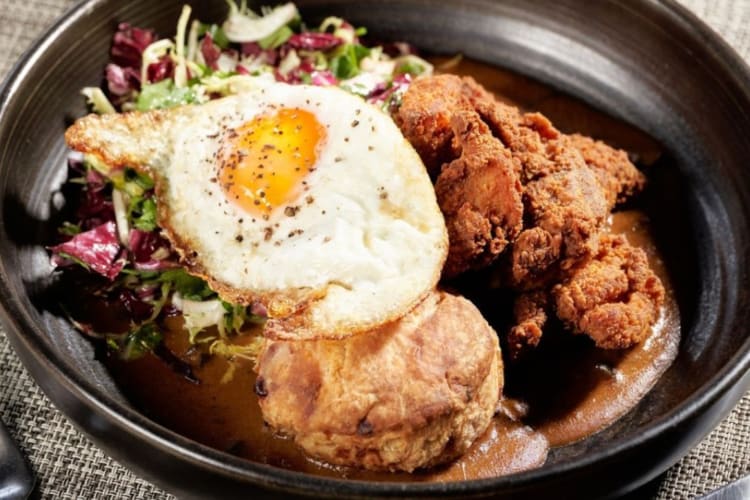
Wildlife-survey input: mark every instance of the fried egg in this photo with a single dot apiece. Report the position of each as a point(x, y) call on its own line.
point(304, 199)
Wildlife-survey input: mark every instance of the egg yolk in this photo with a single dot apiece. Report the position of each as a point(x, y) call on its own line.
point(265, 161)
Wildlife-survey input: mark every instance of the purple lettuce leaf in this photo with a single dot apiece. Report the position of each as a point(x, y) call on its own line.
point(314, 41)
point(267, 56)
point(139, 311)
point(323, 78)
point(382, 93)
point(210, 52)
point(150, 251)
point(95, 208)
point(160, 70)
point(128, 45)
point(98, 249)
point(121, 81)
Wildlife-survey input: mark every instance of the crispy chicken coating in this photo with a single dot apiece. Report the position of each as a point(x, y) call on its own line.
point(530, 313)
point(479, 195)
point(616, 173)
point(570, 207)
point(424, 118)
point(477, 184)
point(563, 196)
point(564, 201)
point(613, 297)
point(479, 149)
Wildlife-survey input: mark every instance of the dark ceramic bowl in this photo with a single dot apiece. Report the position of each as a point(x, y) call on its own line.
point(647, 62)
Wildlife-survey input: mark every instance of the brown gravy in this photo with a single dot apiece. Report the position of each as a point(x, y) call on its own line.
point(569, 390)
point(573, 389)
point(226, 416)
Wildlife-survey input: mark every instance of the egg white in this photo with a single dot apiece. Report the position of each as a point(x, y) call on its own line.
point(366, 242)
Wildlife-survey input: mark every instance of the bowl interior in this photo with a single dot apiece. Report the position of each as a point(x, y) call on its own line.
point(612, 56)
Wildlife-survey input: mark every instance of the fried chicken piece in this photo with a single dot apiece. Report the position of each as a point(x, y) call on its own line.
point(570, 206)
point(532, 256)
point(413, 393)
point(480, 197)
point(530, 313)
point(424, 118)
point(613, 297)
point(562, 195)
point(617, 174)
point(477, 186)
point(570, 183)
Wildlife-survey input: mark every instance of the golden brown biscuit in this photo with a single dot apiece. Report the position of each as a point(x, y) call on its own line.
point(411, 394)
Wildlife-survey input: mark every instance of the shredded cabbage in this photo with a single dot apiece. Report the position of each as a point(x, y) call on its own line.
point(413, 65)
point(94, 162)
point(199, 315)
point(233, 84)
point(181, 74)
point(243, 25)
point(98, 101)
point(192, 45)
point(289, 62)
point(249, 351)
point(121, 216)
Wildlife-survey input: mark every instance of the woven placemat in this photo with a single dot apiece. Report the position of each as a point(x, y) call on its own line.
point(68, 466)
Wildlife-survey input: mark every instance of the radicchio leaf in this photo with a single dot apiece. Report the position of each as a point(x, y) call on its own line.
point(250, 49)
point(95, 208)
point(138, 310)
point(97, 248)
point(95, 180)
point(307, 73)
point(123, 74)
point(314, 41)
point(210, 52)
point(170, 311)
point(323, 78)
point(267, 56)
point(146, 292)
point(121, 81)
point(145, 248)
point(128, 45)
point(383, 94)
point(75, 164)
point(161, 69)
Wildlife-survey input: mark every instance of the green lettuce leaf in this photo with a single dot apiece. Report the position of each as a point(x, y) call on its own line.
point(163, 95)
point(346, 63)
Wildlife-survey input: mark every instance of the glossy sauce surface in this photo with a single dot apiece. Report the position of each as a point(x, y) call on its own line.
point(574, 389)
point(568, 390)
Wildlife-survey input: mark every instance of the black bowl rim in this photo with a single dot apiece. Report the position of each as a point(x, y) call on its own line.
point(20, 327)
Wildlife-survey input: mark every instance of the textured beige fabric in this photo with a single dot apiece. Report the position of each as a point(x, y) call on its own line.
point(68, 466)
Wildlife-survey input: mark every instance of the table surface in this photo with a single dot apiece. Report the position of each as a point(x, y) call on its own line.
point(68, 466)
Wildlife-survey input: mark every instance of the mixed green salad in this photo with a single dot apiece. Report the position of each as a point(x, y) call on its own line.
point(114, 235)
